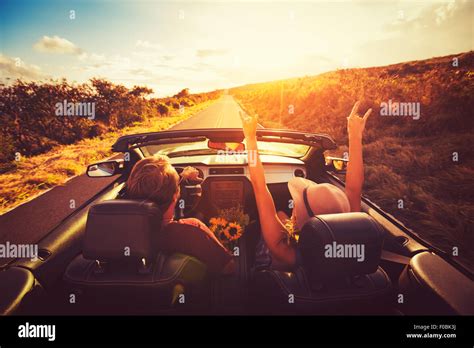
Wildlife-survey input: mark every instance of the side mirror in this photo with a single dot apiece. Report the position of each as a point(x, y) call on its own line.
point(336, 164)
point(104, 169)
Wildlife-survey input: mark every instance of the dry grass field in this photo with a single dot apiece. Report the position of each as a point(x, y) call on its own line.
point(425, 163)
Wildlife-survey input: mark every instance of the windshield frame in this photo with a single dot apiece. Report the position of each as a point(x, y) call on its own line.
point(315, 140)
point(201, 148)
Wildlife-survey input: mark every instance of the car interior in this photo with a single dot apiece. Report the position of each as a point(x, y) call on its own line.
point(81, 269)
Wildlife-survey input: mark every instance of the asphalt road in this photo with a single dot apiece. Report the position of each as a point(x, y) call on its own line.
point(31, 221)
point(222, 114)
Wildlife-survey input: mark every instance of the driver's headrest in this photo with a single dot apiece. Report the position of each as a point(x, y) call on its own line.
point(122, 229)
point(336, 245)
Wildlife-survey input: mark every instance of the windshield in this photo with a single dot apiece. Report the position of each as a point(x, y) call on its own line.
point(201, 148)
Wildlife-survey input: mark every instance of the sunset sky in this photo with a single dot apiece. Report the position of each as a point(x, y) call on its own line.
point(217, 44)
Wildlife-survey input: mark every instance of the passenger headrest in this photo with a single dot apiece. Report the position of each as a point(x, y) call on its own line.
point(337, 245)
point(122, 229)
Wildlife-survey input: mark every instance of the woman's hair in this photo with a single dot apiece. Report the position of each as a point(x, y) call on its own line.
point(153, 178)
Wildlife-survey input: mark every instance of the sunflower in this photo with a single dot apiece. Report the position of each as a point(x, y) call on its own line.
point(233, 231)
point(221, 222)
point(292, 229)
point(218, 221)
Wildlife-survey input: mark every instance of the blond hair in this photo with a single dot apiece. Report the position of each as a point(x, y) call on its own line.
point(154, 178)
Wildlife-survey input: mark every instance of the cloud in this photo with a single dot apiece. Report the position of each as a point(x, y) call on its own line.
point(447, 17)
point(204, 53)
point(140, 72)
point(147, 44)
point(15, 68)
point(152, 52)
point(445, 11)
point(436, 31)
point(56, 44)
point(93, 60)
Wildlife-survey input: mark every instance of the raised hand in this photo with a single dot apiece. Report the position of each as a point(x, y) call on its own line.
point(356, 123)
point(249, 125)
point(190, 173)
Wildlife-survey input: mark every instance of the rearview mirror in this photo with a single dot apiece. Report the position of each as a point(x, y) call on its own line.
point(336, 164)
point(237, 147)
point(104, 169)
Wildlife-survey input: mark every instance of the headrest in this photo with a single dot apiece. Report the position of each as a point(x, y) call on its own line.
point(338, 245)
point(122, 229)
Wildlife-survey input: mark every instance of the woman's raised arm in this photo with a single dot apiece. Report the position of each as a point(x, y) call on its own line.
point(355, 167)
point(273, 231)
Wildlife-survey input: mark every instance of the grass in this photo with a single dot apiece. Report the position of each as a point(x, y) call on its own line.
point(33, 175)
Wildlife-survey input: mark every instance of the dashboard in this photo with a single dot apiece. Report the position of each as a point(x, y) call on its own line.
point(277, 169)
point(227, 184)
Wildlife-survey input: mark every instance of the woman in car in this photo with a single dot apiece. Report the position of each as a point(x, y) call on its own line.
point(154, 178)
point(278, 249)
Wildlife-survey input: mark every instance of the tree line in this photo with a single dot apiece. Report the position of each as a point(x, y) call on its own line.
point(35, 117)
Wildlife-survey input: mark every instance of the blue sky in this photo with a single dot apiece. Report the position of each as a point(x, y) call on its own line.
point(170, 45)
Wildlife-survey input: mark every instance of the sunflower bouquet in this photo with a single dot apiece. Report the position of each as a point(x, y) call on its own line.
point(229, 226)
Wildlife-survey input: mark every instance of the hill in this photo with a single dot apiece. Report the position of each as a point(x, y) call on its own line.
point(418, 168)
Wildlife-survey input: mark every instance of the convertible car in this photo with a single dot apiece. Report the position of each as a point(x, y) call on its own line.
point(81, 268)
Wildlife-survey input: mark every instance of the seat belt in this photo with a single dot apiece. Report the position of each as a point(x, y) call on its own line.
point(393, 257)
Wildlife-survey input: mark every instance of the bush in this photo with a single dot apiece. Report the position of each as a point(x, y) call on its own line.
point(29, 123)
point(163, 109)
